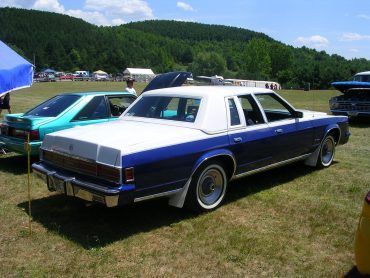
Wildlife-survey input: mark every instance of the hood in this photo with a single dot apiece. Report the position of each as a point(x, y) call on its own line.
point(167, 80)
point(107, 142)
point(348, 86)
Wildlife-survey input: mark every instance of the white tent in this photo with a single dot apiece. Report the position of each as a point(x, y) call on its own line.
point(139, 74)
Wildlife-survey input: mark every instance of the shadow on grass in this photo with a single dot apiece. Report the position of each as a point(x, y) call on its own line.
point(97, 226)
point(360, 122)
point(353, 273)
point(15, 164)
point(265, 180)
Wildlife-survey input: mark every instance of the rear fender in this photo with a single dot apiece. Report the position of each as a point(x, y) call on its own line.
point(178, 199)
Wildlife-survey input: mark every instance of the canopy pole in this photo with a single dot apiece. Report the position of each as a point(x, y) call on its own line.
point(28, 149)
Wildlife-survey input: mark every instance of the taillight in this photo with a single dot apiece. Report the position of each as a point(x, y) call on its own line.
point(367, 198)
point(107, 172)
point(129, 175)
point(34, 135)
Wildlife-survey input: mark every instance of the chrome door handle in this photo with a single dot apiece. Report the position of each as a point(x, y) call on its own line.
point(237, 140)
point(278, 131)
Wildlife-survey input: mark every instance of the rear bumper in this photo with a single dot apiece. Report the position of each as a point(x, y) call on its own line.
point(70, 185)
point(17, 145)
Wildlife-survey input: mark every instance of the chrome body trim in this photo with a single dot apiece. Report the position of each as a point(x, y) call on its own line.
point(268, 167)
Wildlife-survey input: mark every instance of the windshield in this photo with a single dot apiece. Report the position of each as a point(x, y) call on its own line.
point(362, 78)
point(168, 108)
point(53, 107)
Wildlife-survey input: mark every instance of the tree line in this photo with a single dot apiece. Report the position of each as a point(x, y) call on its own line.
point(68, 44)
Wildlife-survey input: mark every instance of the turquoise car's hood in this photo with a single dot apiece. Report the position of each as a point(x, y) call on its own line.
point(18, 120)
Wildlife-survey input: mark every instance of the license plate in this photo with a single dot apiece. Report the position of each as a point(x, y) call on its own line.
point(59, 185)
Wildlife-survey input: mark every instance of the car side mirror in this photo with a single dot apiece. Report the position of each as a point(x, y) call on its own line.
point(298, 114)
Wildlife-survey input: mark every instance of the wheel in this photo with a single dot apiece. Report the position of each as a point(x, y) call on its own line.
point(208, 188)
point(327, 151)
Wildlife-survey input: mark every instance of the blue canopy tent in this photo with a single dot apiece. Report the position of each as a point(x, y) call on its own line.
point(15, 71)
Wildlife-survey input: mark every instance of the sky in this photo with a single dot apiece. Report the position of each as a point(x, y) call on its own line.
point(336, 26)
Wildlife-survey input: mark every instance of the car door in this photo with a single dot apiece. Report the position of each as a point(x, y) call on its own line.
point(95, 111)
point(250, 137)
point(293, 136)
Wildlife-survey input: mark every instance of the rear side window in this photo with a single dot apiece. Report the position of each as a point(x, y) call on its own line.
point(95, 109)
point(54, 106)
point(234, 115)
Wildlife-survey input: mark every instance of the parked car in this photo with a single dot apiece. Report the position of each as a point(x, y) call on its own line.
point(67, 76)
point(61, 112)
point(186, 143)
point(71, 110)
point(355, 100)
point(362, 242)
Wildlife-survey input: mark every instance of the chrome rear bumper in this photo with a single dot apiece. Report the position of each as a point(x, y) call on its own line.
point(72, 186)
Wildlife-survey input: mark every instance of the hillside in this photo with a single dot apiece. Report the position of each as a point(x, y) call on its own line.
point(66, 43)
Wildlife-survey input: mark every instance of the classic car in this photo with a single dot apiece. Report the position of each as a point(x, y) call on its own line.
point(355, 100)
point(61, 112)
point(362, 240)
point(71, 110)
point(186, 143)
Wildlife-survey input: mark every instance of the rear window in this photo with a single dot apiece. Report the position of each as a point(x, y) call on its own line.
point(54, 106)
point(168, 108)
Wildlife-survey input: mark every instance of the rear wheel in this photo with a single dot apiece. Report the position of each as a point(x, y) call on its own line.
point(327, 151)
point(208, 187)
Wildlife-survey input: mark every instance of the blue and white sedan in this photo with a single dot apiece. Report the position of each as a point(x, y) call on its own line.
point(186, 143)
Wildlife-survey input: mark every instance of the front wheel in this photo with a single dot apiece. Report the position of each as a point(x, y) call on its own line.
point(208, 188)
point(327, 151)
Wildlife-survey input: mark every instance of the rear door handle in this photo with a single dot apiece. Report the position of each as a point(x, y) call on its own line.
point(278, 131)
point(237, 140)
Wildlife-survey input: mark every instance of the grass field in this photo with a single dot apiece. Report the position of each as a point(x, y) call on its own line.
point(292, 221)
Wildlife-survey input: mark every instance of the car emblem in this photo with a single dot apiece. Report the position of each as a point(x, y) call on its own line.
point(70, 147)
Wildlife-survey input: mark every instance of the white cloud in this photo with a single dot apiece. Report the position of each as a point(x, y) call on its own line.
point(131, 9)
point(316, 41)
point(354, 50)
point(92, 17)
point(185, 6)
point(26, 4)
point(364, 16)
point(118, 21)
point(48, 5)
point(354, 37)
point(99, 12)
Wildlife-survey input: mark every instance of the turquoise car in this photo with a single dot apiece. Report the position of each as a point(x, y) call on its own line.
point(61, 112)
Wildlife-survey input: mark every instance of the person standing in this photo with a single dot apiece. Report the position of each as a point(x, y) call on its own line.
point(5, 103)
point(130, 86)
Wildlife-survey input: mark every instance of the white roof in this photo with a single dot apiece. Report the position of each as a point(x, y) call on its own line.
point(139, 71)
point(207, 91)
point(363, 73)
point(211, 117)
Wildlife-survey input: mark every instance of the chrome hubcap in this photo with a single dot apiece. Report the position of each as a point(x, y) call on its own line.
point(210, 186)
point(327, 152)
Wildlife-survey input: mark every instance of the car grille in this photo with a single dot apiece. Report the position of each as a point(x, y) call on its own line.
point(82, 166)
point(351, 106)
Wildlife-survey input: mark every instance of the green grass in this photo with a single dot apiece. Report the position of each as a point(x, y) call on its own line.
point(292, 221)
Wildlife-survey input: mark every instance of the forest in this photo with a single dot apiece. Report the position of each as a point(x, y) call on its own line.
point(64, 43)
